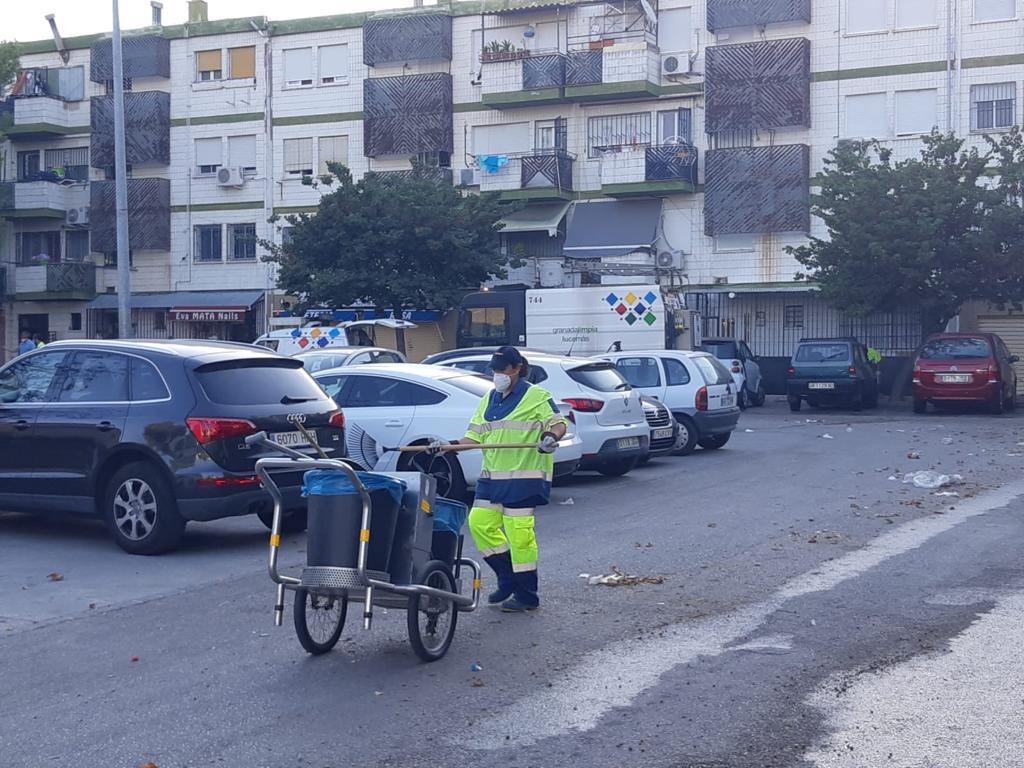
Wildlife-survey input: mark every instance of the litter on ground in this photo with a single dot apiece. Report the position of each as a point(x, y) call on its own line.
point(929, 478)
point(619, 579)
point(567, 503)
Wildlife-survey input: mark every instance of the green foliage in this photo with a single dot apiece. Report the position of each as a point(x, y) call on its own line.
point(928, 233)
point(9, 65)
point(395, 242)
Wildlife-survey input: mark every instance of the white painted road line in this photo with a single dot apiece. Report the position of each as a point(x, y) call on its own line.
point(616, 674)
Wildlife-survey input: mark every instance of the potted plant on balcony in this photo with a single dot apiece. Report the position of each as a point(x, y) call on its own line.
point(502, 51)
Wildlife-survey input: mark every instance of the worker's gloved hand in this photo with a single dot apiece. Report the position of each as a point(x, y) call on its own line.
point(437, 446)
point(548, 443)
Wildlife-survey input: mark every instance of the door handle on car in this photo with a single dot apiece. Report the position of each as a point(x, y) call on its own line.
point(394, 423)
point(21, 425)
point(104, 426)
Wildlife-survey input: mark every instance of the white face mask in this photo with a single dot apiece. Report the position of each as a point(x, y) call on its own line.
point(502, 382)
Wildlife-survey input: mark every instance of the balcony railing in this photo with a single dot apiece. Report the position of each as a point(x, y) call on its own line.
point(77, 277)
point(441, 176)
point(529, 80)
point(48, 116)
point(650, 170)
point(42, 199)
point(537, 174)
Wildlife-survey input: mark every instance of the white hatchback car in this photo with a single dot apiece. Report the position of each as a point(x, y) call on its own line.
point(392, 405)
point(608, 413)
point(696, 388)
point(325, 359)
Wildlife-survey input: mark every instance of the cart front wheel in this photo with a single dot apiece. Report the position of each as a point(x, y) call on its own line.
point(432, 619)
point(319, 620)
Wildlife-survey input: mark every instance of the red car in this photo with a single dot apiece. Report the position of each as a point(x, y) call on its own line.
point(955, 368)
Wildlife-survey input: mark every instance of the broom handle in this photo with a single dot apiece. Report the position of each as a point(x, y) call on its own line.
point(465, 447)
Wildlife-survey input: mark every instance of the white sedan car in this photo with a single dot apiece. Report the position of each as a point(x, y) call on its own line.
point(325, 359)
point(392, 405)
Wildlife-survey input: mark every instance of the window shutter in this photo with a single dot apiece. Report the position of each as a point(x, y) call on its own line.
point(333, 149)
point(242, 151)
point(209, 152)
point(561, 134)
point(298, 154)
point(243, 61)
point(916, 111)
point(994, 10)
point(867, 116)
point(866, 15)
point(208, 61)
point(333, 63)
point(675, 31)
point(298, 66)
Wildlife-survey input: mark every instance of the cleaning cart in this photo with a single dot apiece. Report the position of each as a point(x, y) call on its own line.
point(376, 539)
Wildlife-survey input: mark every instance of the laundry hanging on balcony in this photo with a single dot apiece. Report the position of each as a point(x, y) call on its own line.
point(492, 163)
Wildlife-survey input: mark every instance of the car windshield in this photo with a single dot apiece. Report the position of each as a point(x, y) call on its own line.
point(601, 377)
point(257, 382)
point(712, 370)
point(823, 353)
point(314, 363)
point(475, 385)
point(955, 349)
point(720, 349)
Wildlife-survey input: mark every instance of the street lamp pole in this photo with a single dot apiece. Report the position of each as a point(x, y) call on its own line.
point(124, 279)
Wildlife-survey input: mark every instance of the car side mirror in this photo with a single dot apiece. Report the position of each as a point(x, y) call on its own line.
point(1013, 359)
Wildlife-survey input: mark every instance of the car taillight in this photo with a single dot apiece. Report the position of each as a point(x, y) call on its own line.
point(852, 370)
point(791, 372)
point(917, 375)
point(584, 404)
point(702, 399)
point(210, 430)
point(337, 420)
point(736, 368)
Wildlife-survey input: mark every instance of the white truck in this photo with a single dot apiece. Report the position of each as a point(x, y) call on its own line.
point(568, 321)
point(293, 341)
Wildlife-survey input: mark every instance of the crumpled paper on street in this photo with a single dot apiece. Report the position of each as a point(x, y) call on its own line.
point(619, 579)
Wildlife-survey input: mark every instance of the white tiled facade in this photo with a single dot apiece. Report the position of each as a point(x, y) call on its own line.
point(897, 74)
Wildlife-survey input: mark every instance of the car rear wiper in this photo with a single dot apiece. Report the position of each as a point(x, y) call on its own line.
point(622, 386)
point(290, 400)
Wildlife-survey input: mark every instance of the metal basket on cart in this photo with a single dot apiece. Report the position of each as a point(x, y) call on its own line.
point(370, 539)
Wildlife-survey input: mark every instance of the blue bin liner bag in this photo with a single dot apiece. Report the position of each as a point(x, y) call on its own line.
point(332, 482)
point(449, 515)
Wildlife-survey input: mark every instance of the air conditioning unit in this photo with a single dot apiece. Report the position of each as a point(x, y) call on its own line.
point(469, 177)
point(230, 177)
point(669, 260)
point(78, 216)
point(676, 63)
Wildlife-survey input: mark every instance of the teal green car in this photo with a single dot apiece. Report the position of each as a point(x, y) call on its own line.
point(831, 372)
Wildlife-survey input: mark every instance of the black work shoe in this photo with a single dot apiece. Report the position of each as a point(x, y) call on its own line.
point(515, 605)
point(499, 596)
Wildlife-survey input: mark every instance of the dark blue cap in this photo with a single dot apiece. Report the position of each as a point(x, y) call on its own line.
point(505, 357)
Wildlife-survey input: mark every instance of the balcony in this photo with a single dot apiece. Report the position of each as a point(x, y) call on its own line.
point(522, 79)
point(539, 175)
point(61, 281)
point(440, 176)
point(41, 118)
point(41, 199)
point(652, 171)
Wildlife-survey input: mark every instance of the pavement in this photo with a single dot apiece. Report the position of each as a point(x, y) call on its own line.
point(815, 611)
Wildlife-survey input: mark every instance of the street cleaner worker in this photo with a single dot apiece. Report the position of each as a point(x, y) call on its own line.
point(513, 481)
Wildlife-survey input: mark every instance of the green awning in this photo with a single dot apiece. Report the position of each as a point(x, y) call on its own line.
point(544, 217)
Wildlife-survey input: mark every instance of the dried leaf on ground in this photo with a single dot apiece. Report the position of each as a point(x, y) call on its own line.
point(55, 576)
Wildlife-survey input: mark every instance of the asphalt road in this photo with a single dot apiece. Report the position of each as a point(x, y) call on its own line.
point(815, 612)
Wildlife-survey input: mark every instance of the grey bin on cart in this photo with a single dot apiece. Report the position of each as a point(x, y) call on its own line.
point(449, 517)
point(336, 513)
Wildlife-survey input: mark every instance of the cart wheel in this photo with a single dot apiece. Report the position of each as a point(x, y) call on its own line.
point(319, 620)
point(432, 619)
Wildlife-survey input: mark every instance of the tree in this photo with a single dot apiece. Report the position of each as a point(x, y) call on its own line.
point(925, 234)
point(9, 64)
point(396, 242)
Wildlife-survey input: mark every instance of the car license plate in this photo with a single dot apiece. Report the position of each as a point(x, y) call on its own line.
point(728, 401)
point(625, 443)
point(661, 434)
point(821, 385)
point(291, 439)
point(954, 378)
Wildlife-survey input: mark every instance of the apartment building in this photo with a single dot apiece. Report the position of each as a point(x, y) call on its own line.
point(674, 140)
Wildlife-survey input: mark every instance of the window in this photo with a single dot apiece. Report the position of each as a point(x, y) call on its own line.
point(242, 62)
point(29, 380)
point(544, 134)
point(502, 139)
point(110, 174)
point(28, 165)
point(67, 82)
point(485, 323)
point(72, 164)
point(956, 349)
point(257, 381)
point(96, 377)
point(866, 16)
point(616, 133)
point(675, 126)
point(823, 353)
point(675, 30)
point(38, 247)
point(209, 156)
point(676, 373)
point(76, 245)
point(208, 65)
point(286, 236)
point(242, 154)
point(76, 322)
point(208, 243)
point(729, 243)
point(603, 377)
point(333, 149)
point(108, 86)
point(241, 242)
point(147, 383)
point(298, 157)
point(159, 320)
point(793, 316)
point(867, 116)
point(640, 371)
point(914, 14)
point(916, 111)
point(110, 258)
point(379, 391)
point(995, 10)
point(298, 67)
point(333, 64)
point(712, 370)
point(993, 106)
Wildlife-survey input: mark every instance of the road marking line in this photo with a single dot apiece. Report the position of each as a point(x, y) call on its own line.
point(615, 675)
